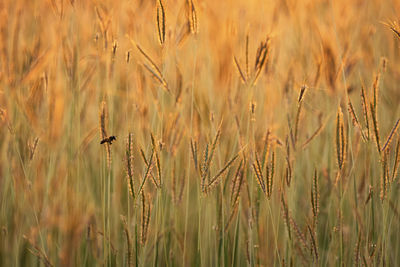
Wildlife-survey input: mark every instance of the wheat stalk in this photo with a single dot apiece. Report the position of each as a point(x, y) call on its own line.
point(288, 173)
point(396, 160)
point(259, 174)
point(286, 216)
point(156, 72)
point(315, 134)
point(173, 183)
point(32, 148)
point(220, 172)
point(376, 128)
point(231, 216)
point(160, 22)
point(158, 164)
point(203, 170)
point(128, 241)
point(261, 58)
point(299, 106)
point(314, 247)
point(153, 179)
point(288, 169)
point(357, 251)
point(340, 140)
point(145, 219)
point(315, 197)
point(375, 87)
point(38, 252)
point(299, 234)
point(129, 163)
point(391, 135)
point(247, 57)
point(207, 159)
point(103, 130)
point(267, 145)
point(385, 175)
point(355, 119)
point(396, 31)
point(365, 109)
point(236, 184)
point(177, 197)
point(242, 76)
point(148, 169)
point(193, 147)
point(192, 17)
point(270, 171)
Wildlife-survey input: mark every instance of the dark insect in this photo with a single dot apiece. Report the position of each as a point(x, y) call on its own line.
point(109, 140)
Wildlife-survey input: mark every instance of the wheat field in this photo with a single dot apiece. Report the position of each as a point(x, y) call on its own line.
point(199, 133)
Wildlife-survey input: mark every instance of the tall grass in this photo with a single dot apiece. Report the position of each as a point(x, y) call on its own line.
point(247, 133)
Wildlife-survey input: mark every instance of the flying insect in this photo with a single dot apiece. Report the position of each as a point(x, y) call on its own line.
point(109, 140)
